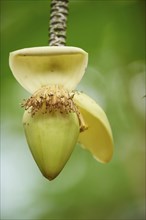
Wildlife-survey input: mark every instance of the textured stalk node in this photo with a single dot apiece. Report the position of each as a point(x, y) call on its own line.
point(58, 22)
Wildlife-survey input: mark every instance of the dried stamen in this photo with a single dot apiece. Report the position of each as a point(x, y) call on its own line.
point(53, 98)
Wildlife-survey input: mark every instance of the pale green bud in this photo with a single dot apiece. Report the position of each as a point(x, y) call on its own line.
point(52, 128)
point(51, 139)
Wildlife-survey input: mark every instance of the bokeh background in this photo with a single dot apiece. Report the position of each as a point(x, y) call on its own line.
point(113, 33)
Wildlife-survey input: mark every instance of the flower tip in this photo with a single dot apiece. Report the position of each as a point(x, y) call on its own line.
point(105, 159)
point(51, 176)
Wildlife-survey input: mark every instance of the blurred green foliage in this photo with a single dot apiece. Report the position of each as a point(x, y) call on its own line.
point(113, 33)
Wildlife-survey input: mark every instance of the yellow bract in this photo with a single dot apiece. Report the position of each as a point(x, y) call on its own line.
point(98, 137)
point(44, 66)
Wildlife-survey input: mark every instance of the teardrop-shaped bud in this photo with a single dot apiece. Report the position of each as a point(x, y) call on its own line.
point(51, 139)
point(52, 129)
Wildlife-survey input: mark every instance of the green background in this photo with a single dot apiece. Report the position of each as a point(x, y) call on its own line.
point(113, 33)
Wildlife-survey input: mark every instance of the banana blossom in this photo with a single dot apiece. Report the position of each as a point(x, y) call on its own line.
point(57, 116)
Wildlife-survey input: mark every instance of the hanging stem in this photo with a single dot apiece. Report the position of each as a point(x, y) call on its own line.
point(58, 22)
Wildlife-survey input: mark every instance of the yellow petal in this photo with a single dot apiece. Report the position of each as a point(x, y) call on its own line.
point(98, 137)
point(41, 66)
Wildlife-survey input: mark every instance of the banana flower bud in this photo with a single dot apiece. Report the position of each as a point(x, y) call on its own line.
point(57, 116)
